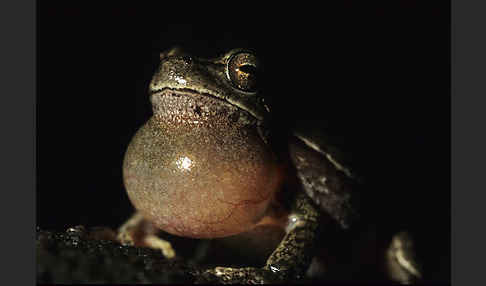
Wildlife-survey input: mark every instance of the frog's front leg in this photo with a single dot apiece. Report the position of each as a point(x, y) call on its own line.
point(289, 260)
point(293, 255)
point(137, 231)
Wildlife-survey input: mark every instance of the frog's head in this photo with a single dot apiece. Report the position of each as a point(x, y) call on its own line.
point(229, 79)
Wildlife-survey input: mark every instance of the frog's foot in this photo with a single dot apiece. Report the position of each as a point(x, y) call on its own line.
point(401, 261)
point(137, 231)
point(247, 275)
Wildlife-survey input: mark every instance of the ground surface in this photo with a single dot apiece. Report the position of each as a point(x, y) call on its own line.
point(75, 257)
point(80, 256)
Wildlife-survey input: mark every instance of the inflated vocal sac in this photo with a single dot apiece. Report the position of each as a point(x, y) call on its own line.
point(200, 173)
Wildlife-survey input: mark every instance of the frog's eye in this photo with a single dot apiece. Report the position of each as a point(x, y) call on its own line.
point(241, 71)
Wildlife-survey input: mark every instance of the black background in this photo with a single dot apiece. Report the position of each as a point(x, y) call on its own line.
point(376, 75)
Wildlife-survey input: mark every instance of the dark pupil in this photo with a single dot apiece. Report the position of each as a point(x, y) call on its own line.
point(249, 69)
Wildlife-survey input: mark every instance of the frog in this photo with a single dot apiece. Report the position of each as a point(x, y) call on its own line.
point(208, 164)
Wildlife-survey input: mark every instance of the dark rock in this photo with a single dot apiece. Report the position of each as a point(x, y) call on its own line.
point(75, 256)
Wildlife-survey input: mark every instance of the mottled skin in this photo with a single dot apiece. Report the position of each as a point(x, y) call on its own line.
point(209, 119)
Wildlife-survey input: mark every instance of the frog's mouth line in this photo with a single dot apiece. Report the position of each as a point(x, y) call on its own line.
point(168, 91)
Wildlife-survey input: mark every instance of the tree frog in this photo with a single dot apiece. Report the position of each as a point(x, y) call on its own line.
point(208, 164)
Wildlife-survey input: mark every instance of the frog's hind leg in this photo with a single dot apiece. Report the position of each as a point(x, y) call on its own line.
point(289, 260)
point(137, 231)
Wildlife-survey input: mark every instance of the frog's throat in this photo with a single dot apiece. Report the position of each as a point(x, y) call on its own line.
point(224, 99)
point(260, 124)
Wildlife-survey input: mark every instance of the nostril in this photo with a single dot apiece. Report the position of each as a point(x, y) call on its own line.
point(198, 110)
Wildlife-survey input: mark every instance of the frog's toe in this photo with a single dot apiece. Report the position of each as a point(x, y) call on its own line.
point(247, 275)
point(138, 232)
point(155, 242)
